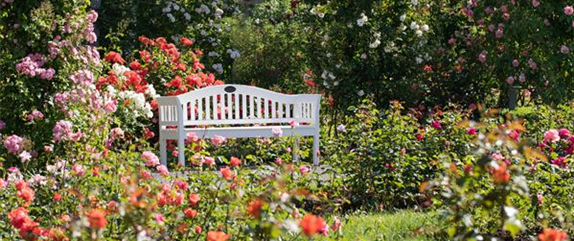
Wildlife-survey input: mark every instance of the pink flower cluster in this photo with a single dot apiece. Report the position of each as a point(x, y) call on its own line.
point(14, 144)
point(31, 65)
point(35, 115)
point(150, 158)
point(82, 77)
point(62, 129)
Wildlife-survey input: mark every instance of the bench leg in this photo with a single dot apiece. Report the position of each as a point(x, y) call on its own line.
point(163, 150)
point(181, 151)
point(296, 150)
point(316, 149)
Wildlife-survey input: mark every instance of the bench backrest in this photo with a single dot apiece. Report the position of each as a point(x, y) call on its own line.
point(237, 104)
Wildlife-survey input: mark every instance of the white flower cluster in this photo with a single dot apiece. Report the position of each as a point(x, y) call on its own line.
point(317, 12)
point(362, 20)
point(328, 75)
point(139, 102)
point(377, 41)
point(419, 29)
point(172, 6)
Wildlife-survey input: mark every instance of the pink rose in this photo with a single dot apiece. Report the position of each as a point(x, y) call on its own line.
point(277, 131)
point(510, 80)
point(436, 124)
point(482, 57)
point(293, 123)
point(111, 106)
point(117, 133)
point(471, 131)
point(191, 137)
point(551, 135)
point(79, 170)
point(568, 10)
point(218, 140)
point(162, 170)
point(564, 133)
point(564, 49)
point(535, 3)
point(14, 144)
point(150, 158)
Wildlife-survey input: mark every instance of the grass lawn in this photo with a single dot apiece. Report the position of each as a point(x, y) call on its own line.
point(400, 225)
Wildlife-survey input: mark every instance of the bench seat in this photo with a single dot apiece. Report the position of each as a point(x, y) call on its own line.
point(236, 111)
point(242, 131)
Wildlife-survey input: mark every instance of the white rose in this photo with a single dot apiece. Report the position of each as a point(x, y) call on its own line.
point(425, 28)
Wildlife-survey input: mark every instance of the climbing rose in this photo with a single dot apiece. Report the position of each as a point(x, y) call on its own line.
point(61, 130)
point(552, 235)
point(14, 144)
point(568, 10)
point(311, 224)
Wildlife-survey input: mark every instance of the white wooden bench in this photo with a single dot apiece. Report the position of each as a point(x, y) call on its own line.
point(237, 111)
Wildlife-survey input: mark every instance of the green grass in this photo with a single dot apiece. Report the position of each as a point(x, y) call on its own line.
point(401, 225)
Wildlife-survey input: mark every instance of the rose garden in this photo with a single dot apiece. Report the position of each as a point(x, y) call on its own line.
point(439, 120)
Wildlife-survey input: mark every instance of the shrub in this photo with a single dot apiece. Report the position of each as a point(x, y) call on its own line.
point(44, 44)
point(383, 158)
point(507, 188)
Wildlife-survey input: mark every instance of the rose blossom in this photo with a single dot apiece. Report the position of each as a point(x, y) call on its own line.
point(218, 140)
point(14, 144)
point(568, 10)
point(551, 135)
point(277, 131)
point(564, 49)
point(150, 158)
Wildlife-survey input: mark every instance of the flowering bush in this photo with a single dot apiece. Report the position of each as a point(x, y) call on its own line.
point(420, 52)
point(507, 187)
point(208, 21)
point(39, 54)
